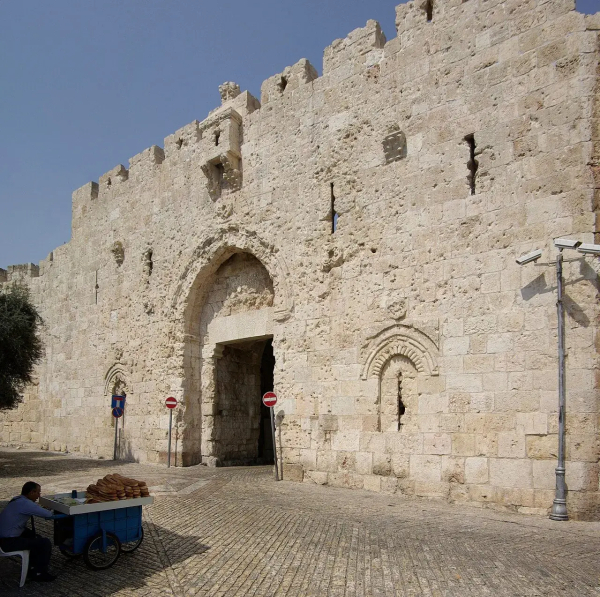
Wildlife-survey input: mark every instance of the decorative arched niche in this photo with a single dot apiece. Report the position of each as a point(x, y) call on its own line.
point(402, 340)
point(115, 380)
point(115, 383)
point(396, 356)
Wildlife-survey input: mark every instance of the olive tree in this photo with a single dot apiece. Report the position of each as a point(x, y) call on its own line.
point(20, 343)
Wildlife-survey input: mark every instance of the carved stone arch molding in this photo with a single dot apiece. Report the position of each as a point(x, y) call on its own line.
point(403, 340)
point(214, 248)
point(116, 372)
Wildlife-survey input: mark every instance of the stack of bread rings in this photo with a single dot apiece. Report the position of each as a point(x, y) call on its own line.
point(115, 487)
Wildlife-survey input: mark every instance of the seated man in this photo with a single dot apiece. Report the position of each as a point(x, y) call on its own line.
point(14, 536)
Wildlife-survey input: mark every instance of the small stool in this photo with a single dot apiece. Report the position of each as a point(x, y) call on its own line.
point(24, 555)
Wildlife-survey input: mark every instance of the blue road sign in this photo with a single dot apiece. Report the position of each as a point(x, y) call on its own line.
point(117, 412)
point(117, 401)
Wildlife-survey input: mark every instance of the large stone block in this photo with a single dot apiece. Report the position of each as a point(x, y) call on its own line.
point(425, 469)
point(293, 472)
point(476, 470)
point(437, 443)
point(541, 447)
point(463, 444)
point(453, 469)
point(510, 472)
point(511, 445)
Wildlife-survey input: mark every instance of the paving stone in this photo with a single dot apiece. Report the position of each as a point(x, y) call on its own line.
point(236, 532)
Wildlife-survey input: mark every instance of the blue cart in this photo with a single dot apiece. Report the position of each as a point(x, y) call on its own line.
point(99, 532)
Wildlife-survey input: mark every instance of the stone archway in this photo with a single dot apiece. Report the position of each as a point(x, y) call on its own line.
point(240, 319)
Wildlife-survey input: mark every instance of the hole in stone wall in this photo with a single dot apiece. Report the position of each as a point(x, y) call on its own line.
point(148, 264)
point(472, 164)
point(179, 143)
point(217, 135)
point(220, 174)
point(334, 214)
point(401, 405)
point(109, 182)
point(428, 7)
point(282, 84)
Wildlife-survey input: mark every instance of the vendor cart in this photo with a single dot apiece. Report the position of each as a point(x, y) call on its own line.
point(100, 532)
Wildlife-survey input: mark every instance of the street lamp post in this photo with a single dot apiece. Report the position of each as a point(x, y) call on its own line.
point(559, 505)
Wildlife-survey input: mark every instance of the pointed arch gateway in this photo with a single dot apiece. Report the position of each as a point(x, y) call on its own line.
point(230, 296)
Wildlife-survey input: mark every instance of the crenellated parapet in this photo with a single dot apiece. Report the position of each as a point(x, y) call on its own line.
point(19, 273)
point(431, 36)
point(213, 144)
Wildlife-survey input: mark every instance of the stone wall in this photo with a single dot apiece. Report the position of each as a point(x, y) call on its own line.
point(378, 210)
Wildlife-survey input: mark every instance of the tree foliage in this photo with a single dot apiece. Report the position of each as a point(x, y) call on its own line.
point(20, 343)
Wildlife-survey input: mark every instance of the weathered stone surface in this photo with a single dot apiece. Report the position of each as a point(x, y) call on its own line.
point(349, 242)
point(476, 470)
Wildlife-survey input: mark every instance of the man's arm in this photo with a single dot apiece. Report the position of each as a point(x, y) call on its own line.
point(33, 509)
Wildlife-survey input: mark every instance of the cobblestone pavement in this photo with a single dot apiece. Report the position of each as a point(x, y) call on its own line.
point(234, 531)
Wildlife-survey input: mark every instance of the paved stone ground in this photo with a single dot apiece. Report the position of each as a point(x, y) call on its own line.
point(226, 532)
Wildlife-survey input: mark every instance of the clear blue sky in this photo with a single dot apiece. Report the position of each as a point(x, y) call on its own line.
point(85, 85)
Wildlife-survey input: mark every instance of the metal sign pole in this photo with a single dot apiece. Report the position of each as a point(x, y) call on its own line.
point(272, 409)
point(116, 437)
point(170, 426)
point(280, 451)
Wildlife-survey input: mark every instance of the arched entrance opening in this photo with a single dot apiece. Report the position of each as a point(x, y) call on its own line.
point(229, 363)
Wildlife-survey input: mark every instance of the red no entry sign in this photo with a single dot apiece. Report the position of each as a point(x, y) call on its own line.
point(170, 402)
point(270, 399)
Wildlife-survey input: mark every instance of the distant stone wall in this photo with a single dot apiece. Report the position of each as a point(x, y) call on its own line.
point(367, 220)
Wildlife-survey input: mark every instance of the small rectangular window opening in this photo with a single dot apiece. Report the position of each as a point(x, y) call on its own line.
point(429, 10)
point(334, 214)
point(472, 164)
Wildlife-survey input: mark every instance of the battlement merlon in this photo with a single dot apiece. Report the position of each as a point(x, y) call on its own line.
point(354, 48)
point(82, 199)
point(592, 22)
point(145, 162)
point(291, 78)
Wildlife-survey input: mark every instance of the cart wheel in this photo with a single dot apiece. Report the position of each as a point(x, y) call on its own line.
point(129, 546)
point(95, 558)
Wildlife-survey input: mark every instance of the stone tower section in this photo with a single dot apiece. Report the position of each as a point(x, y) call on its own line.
point(349, 241)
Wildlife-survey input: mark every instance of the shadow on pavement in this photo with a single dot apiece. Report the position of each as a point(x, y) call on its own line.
point(23, 464)
point(144, 569)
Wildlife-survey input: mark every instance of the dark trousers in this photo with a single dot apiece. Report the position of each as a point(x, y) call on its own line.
point(40, 548)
